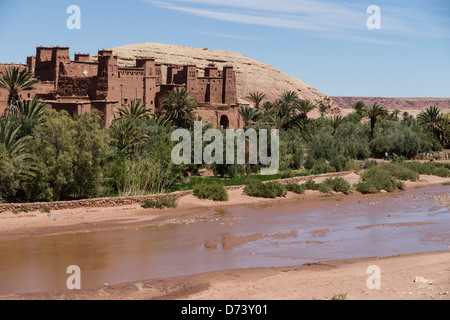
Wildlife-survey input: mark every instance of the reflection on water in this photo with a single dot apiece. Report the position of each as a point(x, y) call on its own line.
point(247, 236)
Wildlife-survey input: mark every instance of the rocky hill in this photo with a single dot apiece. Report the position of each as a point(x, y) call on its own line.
point(411, 105)
point(252, 75)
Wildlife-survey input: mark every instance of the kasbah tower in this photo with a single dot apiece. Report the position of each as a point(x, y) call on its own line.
point(81, 85)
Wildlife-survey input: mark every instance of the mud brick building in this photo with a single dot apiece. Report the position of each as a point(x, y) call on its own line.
point(81, 85)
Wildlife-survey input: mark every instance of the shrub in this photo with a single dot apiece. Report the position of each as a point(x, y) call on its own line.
point(341, 185)
point(376, 179)
point(160, 203)
point(365, 187)
point(336, 184)
point(339, 163)
point(287, 174)
point(429, 168)
point(309, 163)
point(215, 191)
point(296, 188)
point(401, 172)
point(369, 164)
point(325, 187)
point(46, 209)
point(321, 167)
point(397, 158)
point(352, 165)
point(256, 188)
point(311, 185)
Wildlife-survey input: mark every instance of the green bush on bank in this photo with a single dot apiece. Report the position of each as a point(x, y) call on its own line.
point(336, 184)
point(256, 188)
point(160, 203)
point(295, 187)
point(376, 179)
point(214, 191)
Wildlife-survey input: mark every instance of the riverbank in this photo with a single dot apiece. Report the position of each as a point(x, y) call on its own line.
point(190, 210)
point(418, 276)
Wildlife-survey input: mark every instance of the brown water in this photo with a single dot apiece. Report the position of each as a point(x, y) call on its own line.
point(244, 236)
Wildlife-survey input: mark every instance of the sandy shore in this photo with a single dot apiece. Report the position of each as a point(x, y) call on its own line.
point(323, 280)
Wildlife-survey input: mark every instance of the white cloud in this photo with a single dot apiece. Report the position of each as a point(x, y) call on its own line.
point(342, 20)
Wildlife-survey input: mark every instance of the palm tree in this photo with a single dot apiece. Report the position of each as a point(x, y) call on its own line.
point(179, 107)
point(9, 137)
point(135, 110)
point(32, 109)
point(304, 106)
point(267, 107)
point(375, 112)
point(278, 121)
point(336, 121)
point(15, 81)
point(290, 97)
point(125, 132)
point(256, 98)
point(248, 114)
point(17, 148)
point(323, 108)
point(395, 114)
point(431, 120)
point(360, 108)
point(406, 116)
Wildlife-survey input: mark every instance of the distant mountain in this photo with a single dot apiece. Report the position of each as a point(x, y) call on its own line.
point(411, 105)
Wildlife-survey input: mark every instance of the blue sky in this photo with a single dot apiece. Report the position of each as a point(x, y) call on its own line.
point(325, 43)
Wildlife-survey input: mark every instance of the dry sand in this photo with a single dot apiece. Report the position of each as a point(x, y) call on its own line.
point(312, 281)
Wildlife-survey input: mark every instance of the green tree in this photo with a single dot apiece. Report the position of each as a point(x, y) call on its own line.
point(30, 115)
point(395, 115)
point(135, 110)
point(336, 121)
point(431, 120)
point(71, 153)
point(360, 108)
point(179, 107)
point(125, 132)
point(289, 97)
point(375, 112)
point(248, 114)
point(323, 109)
point(257, 98)
point(15, 81)
point(304, 107)
point(16, 163)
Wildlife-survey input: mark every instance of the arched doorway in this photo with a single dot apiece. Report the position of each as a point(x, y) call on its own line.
point(224, 122)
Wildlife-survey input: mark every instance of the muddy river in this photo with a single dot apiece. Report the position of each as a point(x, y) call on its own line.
point(282, 234)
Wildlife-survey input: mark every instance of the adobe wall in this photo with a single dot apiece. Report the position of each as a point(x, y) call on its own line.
point(74, 86)
point(63, 81)
point(130, 84)
point(79, 69)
